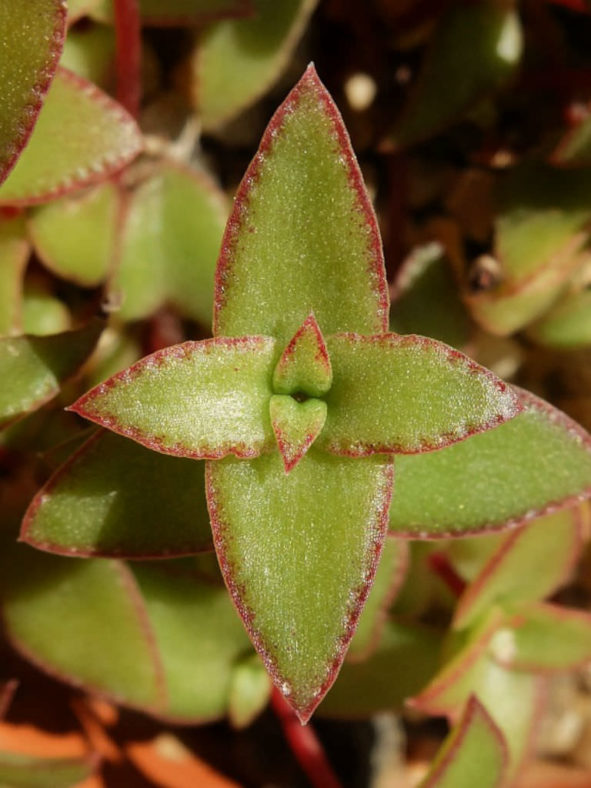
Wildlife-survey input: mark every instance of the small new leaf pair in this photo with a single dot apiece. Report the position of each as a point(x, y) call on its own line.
point(301, 398)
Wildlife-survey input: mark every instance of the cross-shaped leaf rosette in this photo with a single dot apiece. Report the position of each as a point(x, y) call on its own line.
point(301, 398)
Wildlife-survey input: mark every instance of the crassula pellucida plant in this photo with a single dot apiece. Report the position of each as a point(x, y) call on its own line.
point(301, 398)
point(303, 408)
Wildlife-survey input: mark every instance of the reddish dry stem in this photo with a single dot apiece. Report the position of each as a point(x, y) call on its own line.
point(440, 564)
point(305, 745)
point(127, 27)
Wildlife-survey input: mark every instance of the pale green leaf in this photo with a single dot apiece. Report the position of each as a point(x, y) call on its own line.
point(237, 61)
point(302, 237)
point(474, 753)
point(394, 393)
point(169, 243)
point(14, 253)
point(250, 691)
point(74, 236)
point(197, 399)
point(33, 36)
point(35, 366)
point(298, 552)
point(27, 771)
point(62, 157)
point(115, 497)
point(538, 460)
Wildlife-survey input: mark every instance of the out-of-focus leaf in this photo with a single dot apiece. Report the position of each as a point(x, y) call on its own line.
point(529, 564)
point(83, 621)
point(25, 771)
point(474, 753)
point(536, 462)
point(34, 367)
point(298, 552)
point(567, 324)
point(511, 697)
point(469, 556)
point(90, 53)
point(405, 659)
point(80, 8)
point(475, 48)
point(389, 577)
point(198, 636)
point(540, 232)
point(74, 236)
point(117, 349)
point(14, 253)
point(302, 237)
point(426, 299)
point(544, 638)
point(33, 35)
point(237, 61)
point(250, 691)
point(116, 498)
point(197, 399)
point(191, 12)
point(62, 157)
point(44, 313)
point(173, 226)
point(574, 149)
point(407, 394)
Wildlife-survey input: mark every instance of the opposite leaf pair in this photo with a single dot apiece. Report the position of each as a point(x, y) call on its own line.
point(299, 550)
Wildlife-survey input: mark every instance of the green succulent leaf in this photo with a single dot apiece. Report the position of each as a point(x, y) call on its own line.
point(250, 691)
point(404, 660)
point(89, 51)
point(43, 312)
point(237, 61)
point(296, 426)
point(179, 12)
point(298, 553)
point(197, 399)
point(536, 462)
point(527, 566)
point(389, 577)
point(74, 236)
point(567, 324)
point(82, 621)
point(35, 367)
point(14, 253)
point(304, 366)
point(475, 48)
point(33, 33)
point(544, 638)
point(426, 299)
point(406, 394)
point(27, 771)
point(540, 234)
point(474, 753)
point(169, 242)
point(302, 236)
point(63, 157)
point(198, 636)
point(511, 697)
point(116, 498)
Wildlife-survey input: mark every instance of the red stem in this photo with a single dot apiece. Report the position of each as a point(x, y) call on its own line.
point(304, 744)
point(440, 564)
point(127, 28)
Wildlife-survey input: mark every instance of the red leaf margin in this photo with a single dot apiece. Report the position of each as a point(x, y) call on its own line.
point(79, 552)
point(310, 325)
point(110, 166)
point(310, 82)
point(39, 90)
point(220, 528)
point(513, 408)
point(182, 350)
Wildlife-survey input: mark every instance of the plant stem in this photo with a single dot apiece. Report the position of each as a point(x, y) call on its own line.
point(127, 27)
point(440, 564)
point(304, 744)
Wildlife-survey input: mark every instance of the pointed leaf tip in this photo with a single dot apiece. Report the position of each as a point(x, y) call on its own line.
point(303, 235)
point(296, 426)
point(305, 364)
